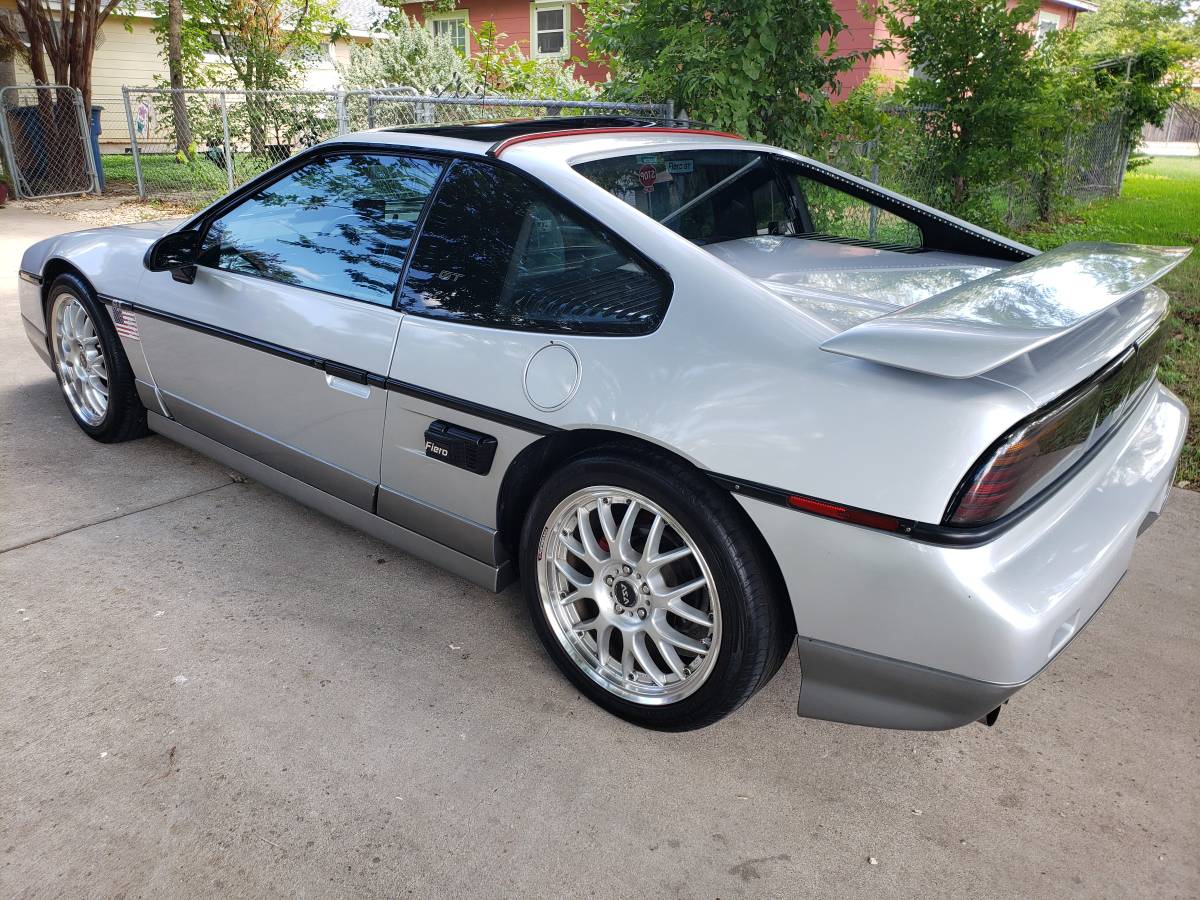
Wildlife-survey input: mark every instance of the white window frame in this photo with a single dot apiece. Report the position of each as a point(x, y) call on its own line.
point(457, 15)
point(538, 6)
point(17, 24)
point(211, 56)
point(1047, 18)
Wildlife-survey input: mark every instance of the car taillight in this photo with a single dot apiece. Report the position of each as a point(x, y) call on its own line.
point(1028, 459)
point(1044, 447)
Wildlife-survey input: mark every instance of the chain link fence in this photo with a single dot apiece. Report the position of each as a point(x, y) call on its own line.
point(190, 146)
point(902, 159)
point(193, 145)
point(46, 141)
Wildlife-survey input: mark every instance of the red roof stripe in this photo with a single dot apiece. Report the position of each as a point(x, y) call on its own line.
point(631, 129)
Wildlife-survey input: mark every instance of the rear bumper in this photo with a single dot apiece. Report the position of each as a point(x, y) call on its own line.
point(901, 634)
point(844, 685)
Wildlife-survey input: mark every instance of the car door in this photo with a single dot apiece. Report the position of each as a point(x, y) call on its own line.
point(271, 349)
point(508, 291)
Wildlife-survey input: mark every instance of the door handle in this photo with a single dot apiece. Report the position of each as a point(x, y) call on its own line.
point(354, 389)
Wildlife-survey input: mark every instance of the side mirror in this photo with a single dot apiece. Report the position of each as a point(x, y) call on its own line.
point(177, 253)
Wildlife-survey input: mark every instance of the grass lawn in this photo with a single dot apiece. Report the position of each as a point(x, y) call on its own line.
point(1160, 204)
point(165, 174)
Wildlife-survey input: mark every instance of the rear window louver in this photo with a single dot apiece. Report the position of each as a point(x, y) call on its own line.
point(859, 242)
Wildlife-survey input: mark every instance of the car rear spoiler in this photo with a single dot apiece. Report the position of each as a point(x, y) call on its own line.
point(982, 324)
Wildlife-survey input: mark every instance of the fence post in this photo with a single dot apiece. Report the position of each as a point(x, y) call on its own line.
point(873, 227)
point(1128, 142)
point(669, 108)
point(343, 123)
point(133, 144)
point(370, 110)
point(85, 131)
point(6, 144)
point(227, 147)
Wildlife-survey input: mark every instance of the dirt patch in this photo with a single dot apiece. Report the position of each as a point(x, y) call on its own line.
point(100, 211)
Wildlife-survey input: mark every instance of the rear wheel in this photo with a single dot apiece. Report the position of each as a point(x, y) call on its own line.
point(649, 591)
point(90, 364)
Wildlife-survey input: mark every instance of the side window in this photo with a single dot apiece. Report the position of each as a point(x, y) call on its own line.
point(496, 250)
point(834, 213)
point(341, 224)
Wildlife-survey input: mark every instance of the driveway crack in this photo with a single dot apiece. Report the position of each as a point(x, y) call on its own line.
point(121, 515)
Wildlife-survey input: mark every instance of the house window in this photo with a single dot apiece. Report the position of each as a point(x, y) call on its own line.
point(216, 50)
point(550, 30)
point(453, 27)
point(1046, 23)
point(17, 24)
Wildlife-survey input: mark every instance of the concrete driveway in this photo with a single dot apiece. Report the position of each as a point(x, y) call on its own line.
point(210, 690)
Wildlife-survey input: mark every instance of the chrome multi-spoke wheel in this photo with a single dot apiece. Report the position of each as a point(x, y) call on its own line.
point(91, 364)
point(79, 358)
point(629, 595)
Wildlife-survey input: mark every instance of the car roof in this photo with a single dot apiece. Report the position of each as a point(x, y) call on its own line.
point(493, 137)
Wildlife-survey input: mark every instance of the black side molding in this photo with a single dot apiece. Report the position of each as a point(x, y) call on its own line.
point(341, 370)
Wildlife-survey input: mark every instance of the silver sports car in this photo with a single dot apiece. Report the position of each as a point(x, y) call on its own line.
point(706, 398)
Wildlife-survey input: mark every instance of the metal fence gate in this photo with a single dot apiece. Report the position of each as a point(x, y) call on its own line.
point(46, 140)
point(192, 145)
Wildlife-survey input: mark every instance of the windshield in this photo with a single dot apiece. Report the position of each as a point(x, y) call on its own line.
point(709, 196)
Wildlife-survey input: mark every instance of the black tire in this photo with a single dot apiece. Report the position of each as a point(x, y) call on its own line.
point(125, 417)
point(758, 625)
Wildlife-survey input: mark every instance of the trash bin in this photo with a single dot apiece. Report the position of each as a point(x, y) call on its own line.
point(29, 145)
point(95, 144)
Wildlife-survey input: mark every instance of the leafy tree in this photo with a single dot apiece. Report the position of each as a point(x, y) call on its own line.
point(263, 44)
point(62, 35)
point(1143, 49)
point(1003, 102)
point(1124, 27)
point(266, 44)
point(758, 67)
point(58, 43)
point(973, 63)
point(506, 70)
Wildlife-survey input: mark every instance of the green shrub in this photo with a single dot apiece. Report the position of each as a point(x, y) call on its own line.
point(410, 56)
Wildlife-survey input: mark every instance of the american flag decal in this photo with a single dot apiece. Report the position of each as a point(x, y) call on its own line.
point(125, 321)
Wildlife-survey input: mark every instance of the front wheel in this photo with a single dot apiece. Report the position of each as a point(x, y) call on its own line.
point(90, 364)
point(649, 590)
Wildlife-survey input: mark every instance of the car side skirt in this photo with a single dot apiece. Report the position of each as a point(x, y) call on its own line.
point(490, 577)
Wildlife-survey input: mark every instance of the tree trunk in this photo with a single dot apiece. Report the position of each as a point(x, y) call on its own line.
point(179, 110)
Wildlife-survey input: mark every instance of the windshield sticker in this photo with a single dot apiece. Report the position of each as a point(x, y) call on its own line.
point(680, 166)
point(651, 158)
point(647, 175)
